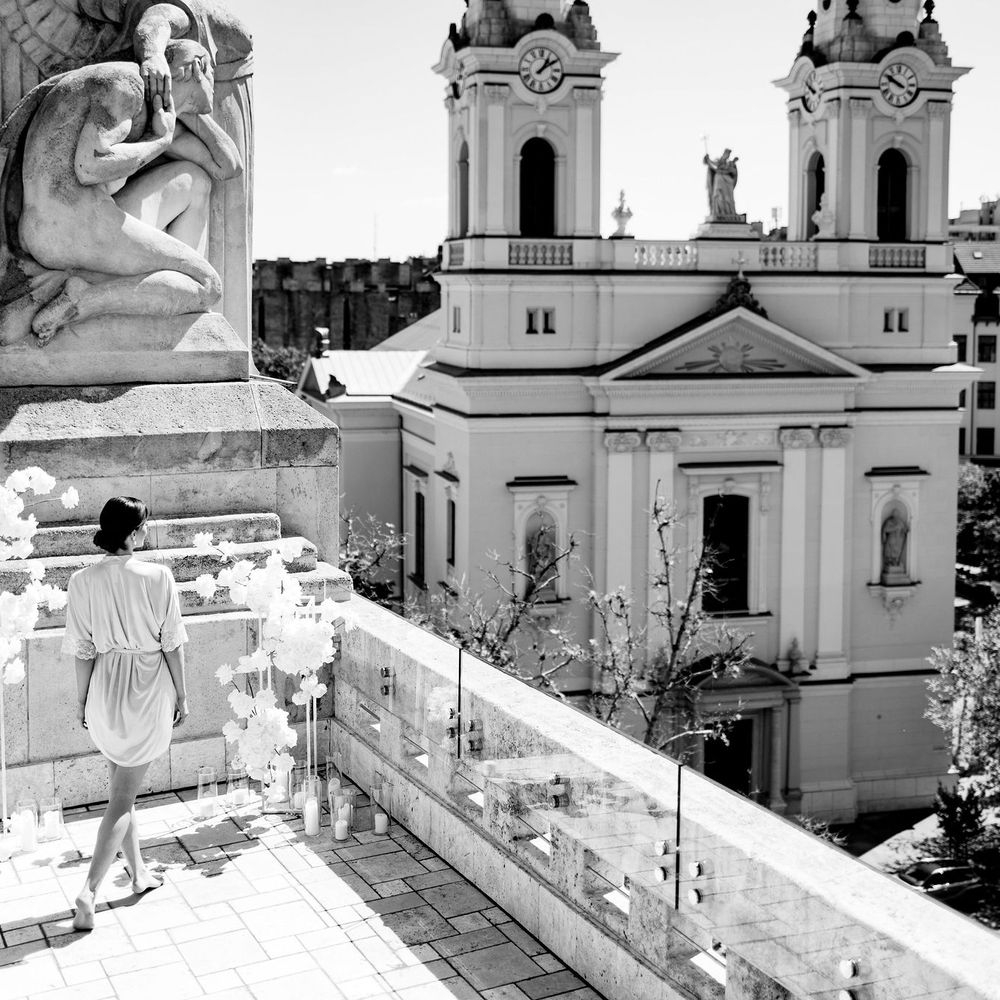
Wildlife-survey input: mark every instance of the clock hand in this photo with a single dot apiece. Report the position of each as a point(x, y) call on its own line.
point(547, 64)
point(895, 81)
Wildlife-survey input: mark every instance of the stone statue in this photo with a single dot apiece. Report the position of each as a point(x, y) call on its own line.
point(722, 177)
point(47, 37)
point(622, 215)
point(895, 531)
point(824, 220)
point(100, 222)
point(542, 551)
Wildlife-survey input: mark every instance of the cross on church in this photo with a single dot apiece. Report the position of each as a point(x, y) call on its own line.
point(740, 262)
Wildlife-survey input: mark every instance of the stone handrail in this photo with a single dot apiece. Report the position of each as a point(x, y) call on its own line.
point(884, 255)
point(634, 870)
point(540, 253)
point(666, 256)
point(788, 256)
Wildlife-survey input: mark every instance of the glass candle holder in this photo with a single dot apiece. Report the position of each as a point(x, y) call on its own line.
point(237, 788)
point(276, 794)
point(208, 793)
point(311, 809)
point(300, 777)
point(50, 823)
point(343, 812)
point(26, 824)
point(381, 796)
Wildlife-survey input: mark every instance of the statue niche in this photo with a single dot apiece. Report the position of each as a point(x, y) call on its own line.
point(124, 177)
point(894, 538)
point(541, 552)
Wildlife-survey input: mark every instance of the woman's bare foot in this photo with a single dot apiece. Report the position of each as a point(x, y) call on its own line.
point(143, 880)
point(63, 309)
point(83, 919)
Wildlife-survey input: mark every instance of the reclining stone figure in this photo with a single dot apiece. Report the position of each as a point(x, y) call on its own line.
point(114, 192)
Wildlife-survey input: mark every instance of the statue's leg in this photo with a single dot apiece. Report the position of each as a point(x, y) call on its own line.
point(174, 198)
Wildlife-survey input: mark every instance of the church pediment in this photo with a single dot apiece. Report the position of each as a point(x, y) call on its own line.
point(738, 344)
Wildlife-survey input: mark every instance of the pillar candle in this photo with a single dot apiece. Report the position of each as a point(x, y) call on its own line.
point(381, 823)
point(311, 817)
point(340, 830)
point(50, 823)
point(298, 799)
point(29, 835)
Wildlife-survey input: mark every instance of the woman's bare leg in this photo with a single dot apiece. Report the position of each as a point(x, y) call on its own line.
point(125, 785)
point(142, 878)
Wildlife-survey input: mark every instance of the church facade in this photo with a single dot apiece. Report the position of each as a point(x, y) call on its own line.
point(801, 393)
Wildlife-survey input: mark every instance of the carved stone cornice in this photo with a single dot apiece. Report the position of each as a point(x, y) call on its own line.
point(587, 95)
point(938, 109)
point(621, 442)
point(761, 439)
point(664, 440)
point(861, 107)
point(835, 437)
point(797, 437)
point(496, 93)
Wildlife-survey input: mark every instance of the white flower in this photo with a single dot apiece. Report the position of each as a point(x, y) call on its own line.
point(202, 543)
point(228, 550)
point(328, 610)
point(56, 599)
point(14, 672)
point(205, 586)
point(71, 498)
point(242, 704)
point(283, 763)
point(291, 548)
point(232, 731)
point(254, 663)
point(225, 674)
point(36, 571)
point(37, 480)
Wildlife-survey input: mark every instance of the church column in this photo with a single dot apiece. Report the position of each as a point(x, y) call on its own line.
point(860, 111)
point(779, 724)
point(937, 164)
point(620, 447)
point(792, 610)
point(586, 163)
point(662, 447)
point(832, 554)
point(496, 127)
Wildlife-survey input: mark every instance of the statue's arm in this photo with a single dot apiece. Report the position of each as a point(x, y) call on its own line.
point(200, 138)
point(156, 27)
point(103, 154)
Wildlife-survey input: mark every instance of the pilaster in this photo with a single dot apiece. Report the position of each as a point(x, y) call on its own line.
point(662, 447)
point(830, 660)
point(860, 110)
point(497, 97)
point(621, 447)
point(795, 443)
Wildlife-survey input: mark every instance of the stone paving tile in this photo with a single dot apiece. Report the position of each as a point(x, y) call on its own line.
point(251, 909)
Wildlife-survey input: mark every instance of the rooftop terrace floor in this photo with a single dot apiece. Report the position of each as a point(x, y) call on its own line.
point(250, 907)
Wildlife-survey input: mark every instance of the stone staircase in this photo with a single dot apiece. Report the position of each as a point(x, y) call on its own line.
point(60, 550)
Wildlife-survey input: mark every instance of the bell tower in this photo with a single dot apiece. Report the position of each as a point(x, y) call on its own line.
point(869, 113)
point(524, 120)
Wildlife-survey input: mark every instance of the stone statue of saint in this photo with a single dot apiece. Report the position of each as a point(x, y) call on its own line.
point(48, 37)
point(895, 531)
point(121, 235)
point(542, 551)
point(722, 177)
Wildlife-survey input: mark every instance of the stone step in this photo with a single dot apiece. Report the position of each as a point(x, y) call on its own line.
point(185, 564)
point(321, 583)
point(164, 533)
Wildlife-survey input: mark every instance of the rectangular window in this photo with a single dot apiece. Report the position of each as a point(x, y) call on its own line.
point(419, 523)
point(961, 340)
point(986, 395)
point(548, 321)
point(889, 322)
point(903, 321)
point(987, 349)
point(532, 326)
point(727, 541)
point(985, 441)
point(961, 400)
point(456, 319)
point(961, 440)
point(451, 533)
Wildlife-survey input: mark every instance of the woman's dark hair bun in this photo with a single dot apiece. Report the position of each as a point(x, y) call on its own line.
point(120, 517)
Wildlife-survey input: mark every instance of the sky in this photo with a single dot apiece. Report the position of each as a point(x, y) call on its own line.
point(351, 129)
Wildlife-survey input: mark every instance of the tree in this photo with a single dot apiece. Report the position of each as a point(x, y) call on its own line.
point(979, 519)
point(961, 817)
point(965, 700)
point(663, 686)
point(371, 551)
point(285, 363)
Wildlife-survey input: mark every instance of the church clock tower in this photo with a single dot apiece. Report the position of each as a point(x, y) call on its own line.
point(524, 111)
point(870, 114)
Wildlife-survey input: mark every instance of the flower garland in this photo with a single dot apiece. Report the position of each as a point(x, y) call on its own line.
point(294, 639)
point(19, 612)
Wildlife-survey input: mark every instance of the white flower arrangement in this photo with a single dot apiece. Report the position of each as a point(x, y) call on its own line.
point(293, 640)
point(19, 612)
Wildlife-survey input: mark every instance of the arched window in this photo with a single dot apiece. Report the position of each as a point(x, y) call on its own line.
point(541, 549)
point(463, 190)
point(727, 539)
point(892, 196)
point(815, 189)
point(538, 189)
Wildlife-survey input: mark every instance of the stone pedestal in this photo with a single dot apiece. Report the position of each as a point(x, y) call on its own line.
point(735, 230)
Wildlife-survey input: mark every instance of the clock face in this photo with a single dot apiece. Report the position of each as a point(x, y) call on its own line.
point(898, 84)
point(813, 93)
point(541, 70)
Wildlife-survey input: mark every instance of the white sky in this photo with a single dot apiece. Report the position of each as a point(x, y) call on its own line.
point(351, 126)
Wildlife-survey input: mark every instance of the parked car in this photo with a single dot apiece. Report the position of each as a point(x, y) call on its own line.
point(957, 883)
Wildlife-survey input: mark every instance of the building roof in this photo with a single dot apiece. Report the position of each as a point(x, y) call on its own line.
point(360, 373)
point(419, 336)
point(978, 258)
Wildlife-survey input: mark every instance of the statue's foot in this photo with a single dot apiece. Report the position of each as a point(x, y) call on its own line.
point(63, 309)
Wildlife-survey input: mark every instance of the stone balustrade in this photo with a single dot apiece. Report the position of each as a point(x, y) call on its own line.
point(666, 256)
point(788, 256)
point(541, 253)
point(904, 256)
point(646, 878)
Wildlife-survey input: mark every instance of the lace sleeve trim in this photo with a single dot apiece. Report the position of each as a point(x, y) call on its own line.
point(82, 649)
point(171, 638)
